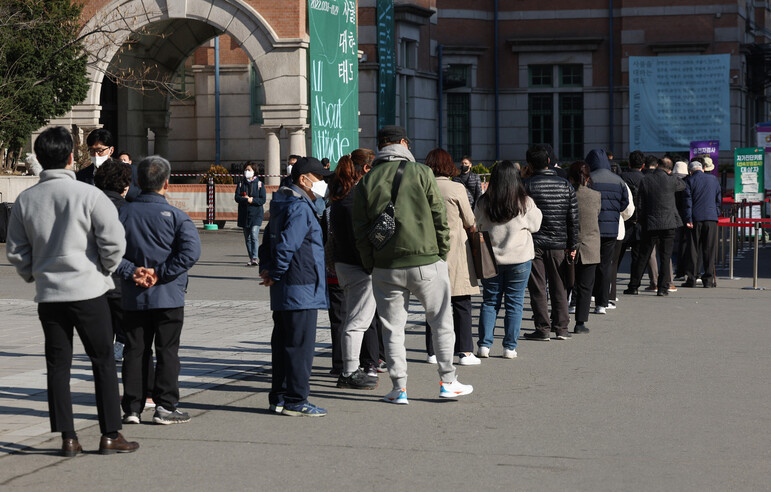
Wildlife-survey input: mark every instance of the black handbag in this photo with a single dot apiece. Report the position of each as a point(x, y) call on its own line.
point(384, 227)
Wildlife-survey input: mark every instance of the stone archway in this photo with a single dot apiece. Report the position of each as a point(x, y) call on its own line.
point(280, 61)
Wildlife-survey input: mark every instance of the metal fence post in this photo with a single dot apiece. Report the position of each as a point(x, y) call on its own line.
point(210, 200)
point(731, 241)
point(755, 260)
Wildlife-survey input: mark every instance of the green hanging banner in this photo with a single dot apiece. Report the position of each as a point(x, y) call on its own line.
point(334, 66)
point(386, 57)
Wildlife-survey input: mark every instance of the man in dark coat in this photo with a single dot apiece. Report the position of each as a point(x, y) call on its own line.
point(658, 213)
point(702, 203)
point(555, 242)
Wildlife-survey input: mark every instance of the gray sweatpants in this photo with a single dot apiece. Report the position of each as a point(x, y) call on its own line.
point(360, 307)
point(431, 285)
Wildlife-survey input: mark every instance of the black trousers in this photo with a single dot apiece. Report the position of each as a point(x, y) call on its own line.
point(614, 269)
point(116, 314)
point(163, 328)
point(604, 271)
point(461, 319)
point(583, 290)
point(336, 312)
point(91, 318)
point(702, 245)
point(370, 344)
point(663, 240)
point(549, 264)
point(292, 345)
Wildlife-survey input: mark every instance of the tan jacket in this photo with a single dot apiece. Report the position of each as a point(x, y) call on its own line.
point(463, 281)
point(589, 206)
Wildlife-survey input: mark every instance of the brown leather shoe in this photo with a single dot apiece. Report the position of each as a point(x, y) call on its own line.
point(70, 447)
point(117, 445)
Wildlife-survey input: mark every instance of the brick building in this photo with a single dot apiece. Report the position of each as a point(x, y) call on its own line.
point(504, 73)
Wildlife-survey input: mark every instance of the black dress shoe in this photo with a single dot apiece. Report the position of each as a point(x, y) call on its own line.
point(631, 292)
point(662, 293)
point(117, 445)
point(688, 284)
point(580, 329)
point(70, 447)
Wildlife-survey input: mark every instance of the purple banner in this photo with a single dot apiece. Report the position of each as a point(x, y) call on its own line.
point(706, 148)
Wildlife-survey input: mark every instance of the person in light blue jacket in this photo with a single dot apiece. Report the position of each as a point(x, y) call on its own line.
point(162, 244)
point(292, 265)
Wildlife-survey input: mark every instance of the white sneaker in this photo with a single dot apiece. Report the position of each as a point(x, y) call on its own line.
point(571, 310)
point(599, 310)
point(398, 396)
point(483, 352)
point(611, 305)
point(431, 359)
point(468, 360)
point(149, 403)
point(509, 353)
point(454, 389)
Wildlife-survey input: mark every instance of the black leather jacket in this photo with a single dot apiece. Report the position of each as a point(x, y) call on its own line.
point(556, 199)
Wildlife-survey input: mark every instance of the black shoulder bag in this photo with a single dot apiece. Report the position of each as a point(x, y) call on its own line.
point(384, 226)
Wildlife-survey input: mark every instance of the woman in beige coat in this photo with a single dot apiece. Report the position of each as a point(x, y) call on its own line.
point(588, 257)
point(463, 282)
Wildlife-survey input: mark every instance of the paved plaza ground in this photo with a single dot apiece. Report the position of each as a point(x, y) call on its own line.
point(664, 394)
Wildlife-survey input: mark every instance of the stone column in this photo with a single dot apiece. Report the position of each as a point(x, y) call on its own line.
point(297, 140)
point(272, 155)
point(161, 141)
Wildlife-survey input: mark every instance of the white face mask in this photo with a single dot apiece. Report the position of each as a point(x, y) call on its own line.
point(319, 188)
point(248, 174)
point(98, 160)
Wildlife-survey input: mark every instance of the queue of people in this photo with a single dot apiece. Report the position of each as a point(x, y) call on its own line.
point(114, 267)
point(395, 228)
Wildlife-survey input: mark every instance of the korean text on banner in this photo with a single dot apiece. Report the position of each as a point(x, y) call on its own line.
point(386, 56)
point(674, 100)
point(706, 148)
point(334, 78)
point(748, 174)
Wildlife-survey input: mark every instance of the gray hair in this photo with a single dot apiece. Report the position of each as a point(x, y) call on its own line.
point(152, 173)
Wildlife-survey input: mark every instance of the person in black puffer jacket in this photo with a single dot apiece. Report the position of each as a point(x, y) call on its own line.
point(555, 244)
point(615, 201)
point(659, 218)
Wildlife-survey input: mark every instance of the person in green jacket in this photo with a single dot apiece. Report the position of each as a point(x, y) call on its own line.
point(412, 261)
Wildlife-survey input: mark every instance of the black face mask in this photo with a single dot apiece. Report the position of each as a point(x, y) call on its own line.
point(465, 169)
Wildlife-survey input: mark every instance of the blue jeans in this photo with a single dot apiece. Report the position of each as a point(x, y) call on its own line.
point(252, 235)
point(508, 286)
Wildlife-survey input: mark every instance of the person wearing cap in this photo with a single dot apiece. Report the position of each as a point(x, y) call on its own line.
point(412, 261)
point(702, 203)
point(291, 263)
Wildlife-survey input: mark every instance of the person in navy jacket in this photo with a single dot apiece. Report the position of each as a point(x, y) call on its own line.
point(162, 244)
point(292, 265)
point(250, 196)
point(615, 201)
point(702, 201)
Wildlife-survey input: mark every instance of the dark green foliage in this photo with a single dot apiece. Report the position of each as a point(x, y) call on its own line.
point(42, 65)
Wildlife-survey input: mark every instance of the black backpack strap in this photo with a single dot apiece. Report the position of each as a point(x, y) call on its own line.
point(397, 181)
